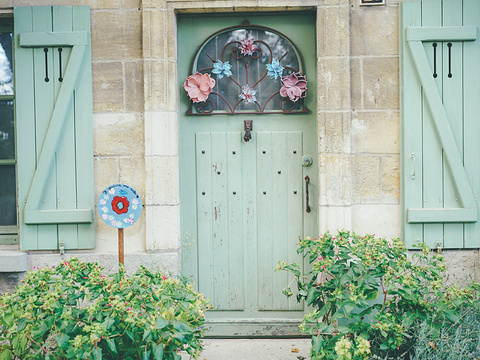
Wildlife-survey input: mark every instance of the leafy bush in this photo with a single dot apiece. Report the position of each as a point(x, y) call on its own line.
point(367, 296)
point(72, 311)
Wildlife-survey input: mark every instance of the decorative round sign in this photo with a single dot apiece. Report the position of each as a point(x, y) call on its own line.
point(119, 205)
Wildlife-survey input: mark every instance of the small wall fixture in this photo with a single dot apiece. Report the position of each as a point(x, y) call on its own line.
point(372, 2)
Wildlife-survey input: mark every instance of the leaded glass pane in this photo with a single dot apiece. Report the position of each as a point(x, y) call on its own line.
point(7, 138)
point(8, 215)
point(246, 85)
point(6, 64)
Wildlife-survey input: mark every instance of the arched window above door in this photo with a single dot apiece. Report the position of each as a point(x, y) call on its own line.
point(247, 69)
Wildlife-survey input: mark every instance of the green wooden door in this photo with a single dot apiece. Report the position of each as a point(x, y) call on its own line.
point(243, 203)
point(440, 106)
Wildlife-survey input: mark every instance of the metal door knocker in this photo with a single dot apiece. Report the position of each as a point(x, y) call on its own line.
point(248, 124)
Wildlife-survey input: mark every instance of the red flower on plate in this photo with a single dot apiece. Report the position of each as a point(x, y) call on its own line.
point(120, 204)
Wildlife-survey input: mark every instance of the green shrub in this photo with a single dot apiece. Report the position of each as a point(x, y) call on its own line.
point(72, 311)
point(367, 296)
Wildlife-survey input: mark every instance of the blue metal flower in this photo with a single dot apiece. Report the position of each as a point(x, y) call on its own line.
point(222, 69)
point(275, 70)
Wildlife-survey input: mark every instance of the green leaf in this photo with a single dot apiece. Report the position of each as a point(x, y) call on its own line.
point(97, 354)
point(62, 340)
point(108, 323)
point(112, 346)
point(146, 354)
point(452, 315)
point(6, 355)
point(317, 342)
point(161, 323)
point(348, 306)
point(311, 296)
point(9, 319)
point(146, 334)
point(343, 329)
point(157, 351)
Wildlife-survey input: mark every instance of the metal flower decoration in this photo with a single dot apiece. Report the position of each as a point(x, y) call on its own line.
point(199, 86)
point(222, 69)
point(294, 86)
point(247, 46)
point(274, 70)
point(248, 95)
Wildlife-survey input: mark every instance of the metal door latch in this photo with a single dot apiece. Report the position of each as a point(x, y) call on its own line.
point(248, 124)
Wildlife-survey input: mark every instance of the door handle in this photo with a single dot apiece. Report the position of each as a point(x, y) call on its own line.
point(248, 125)
point(307, 180)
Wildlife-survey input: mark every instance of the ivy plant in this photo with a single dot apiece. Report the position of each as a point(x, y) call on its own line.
point(72, 311)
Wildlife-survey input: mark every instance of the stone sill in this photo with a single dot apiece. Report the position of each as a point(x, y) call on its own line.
point(12, 260)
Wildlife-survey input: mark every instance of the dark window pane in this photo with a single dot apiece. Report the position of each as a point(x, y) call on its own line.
point(6, 64)
point(8, 215)
point(7, 138)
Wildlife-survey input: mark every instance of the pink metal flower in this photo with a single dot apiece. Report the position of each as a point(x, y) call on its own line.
point(199, 86)
point(294, 86)
point(248, 95)
point(247, 47)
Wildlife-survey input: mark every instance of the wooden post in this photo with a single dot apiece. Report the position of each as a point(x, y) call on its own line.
point(120, 247)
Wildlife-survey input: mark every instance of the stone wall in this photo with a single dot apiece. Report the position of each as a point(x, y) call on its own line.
point(136, 123)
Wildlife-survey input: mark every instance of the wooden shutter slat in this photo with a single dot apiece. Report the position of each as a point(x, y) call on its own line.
point(42, 39)
point(73, 216)
point(442, 33)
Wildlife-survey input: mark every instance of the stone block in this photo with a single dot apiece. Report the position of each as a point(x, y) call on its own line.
point(132, 172)
point(334, 218)
point(374, 30)
point(376, 132)
point(462, 266)
point(172, 89)
point(161, 133)
point(391, 178)
point(335, 179)
point(133, 84)
point(131, 4)
point(107, 86)
point(116, 35)
point(159, 4)
point(162, 180)
point(380, 83)
point(155, 85)
point(162, 227)
point(118, 135)
point(158, 32)
point(105, 4)
point(334, 132)
point(334, 83)
point(9, 280)
point(171, 38)
point(106, 173)
point(366, 178)
point(333, 36)
point(383, 220)
point(356, 78)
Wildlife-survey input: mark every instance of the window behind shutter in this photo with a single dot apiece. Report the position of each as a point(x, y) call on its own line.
point(440, 109)
point(54, 127)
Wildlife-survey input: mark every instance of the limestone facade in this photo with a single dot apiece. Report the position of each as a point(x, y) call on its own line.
point(135, 96)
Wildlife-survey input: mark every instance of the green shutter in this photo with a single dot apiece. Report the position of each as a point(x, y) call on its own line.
point(54, 127)
point(440, 105)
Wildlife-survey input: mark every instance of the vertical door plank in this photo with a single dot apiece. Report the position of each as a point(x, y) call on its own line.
point(295, 209)
point(432, 149)
point(412, 189)
point(203, 153)
point(471, 103)
point(82, 104)
point(264, 210)
point(251, 195)
point(25, 114)
point(220, 220)
point(236, 283)
point(453, 104)
point(65, 154)
point(279, 217)
point(44, 104)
